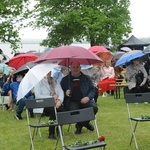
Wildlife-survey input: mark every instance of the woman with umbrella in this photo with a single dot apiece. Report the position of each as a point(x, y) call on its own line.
point(49, 87)
point(136, 77)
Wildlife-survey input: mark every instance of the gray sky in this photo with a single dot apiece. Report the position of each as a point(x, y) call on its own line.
point(140, 15)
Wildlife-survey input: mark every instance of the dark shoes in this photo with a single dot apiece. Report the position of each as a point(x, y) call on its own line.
point(78, 129)
point(89, 127)
point(18, 117)
point(52, 136)
point(7, 107)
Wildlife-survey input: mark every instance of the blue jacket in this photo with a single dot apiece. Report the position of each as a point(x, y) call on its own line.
point(58, 76)
point(6, 87)
point(86, 85)
point(14, 86)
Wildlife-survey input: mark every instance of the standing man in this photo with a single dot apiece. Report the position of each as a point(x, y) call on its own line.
point(79, 93)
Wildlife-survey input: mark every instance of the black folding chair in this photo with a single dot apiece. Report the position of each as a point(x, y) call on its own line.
point(75, 116)
point(138, 98)
point(38, 103)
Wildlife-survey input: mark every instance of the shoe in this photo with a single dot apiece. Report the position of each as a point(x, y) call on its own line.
point(52, 136)
point(78, 130)
point(7, 107)
point(104, 95)
point(18, 117)
point(89, 127)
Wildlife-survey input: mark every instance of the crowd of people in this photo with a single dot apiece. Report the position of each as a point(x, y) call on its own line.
point(75, 88)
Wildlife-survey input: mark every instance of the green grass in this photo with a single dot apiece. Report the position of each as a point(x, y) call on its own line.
point(112, 122)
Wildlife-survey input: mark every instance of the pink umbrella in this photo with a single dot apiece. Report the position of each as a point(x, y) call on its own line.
point(96, 49)
point(67, 54)
point(102, 52)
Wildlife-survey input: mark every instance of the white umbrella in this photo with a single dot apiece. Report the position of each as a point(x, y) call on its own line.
point(126, 49)
point(33, 76)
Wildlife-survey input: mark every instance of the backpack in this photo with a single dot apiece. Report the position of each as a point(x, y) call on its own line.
point(139, 77)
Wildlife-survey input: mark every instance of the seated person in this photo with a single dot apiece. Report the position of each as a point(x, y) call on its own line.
point(49, 87)
point(7, 90)
point(21, 103)
point(3, 78)
point(107, 78)
point(94, 74)
point(130, 76)
point(79, 93)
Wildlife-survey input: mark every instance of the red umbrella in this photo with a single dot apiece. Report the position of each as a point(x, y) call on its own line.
point(20, 60)
point(67, 54)
point(96, 49)
point(102, 52)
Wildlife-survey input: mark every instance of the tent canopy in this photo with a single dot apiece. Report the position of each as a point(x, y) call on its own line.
point(134, 43)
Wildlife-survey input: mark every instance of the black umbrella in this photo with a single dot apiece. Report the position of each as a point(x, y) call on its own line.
point(24, 69)
point(118, 54)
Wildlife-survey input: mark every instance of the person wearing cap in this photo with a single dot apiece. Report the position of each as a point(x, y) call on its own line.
point(79, 93)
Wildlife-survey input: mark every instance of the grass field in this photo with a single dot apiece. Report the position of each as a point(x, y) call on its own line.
point(112, 122)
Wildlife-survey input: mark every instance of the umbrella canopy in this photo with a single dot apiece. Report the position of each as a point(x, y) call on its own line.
point(5, 68)
point(118, 54)
point(126, 49)
point(24, 69)
point(21, 59)
point(34, 76)
point(127, 57)
point(96, 49)
point(147, 50)
point(68, 54)
point(101, 52)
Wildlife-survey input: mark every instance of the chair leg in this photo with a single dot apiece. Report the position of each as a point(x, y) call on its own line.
point(38, 118)
point(133, 135)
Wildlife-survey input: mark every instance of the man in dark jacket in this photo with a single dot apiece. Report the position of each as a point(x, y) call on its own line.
point(79, 93)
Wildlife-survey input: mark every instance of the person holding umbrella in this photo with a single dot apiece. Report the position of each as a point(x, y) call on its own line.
point(79, 93)
point(132, 71)
point(49, 87)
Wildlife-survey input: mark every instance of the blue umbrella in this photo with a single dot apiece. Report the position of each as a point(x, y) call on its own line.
point(127, 57)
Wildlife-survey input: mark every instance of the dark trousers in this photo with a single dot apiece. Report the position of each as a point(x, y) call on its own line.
point(51, 113)
point(77, 105)
point(96, 94)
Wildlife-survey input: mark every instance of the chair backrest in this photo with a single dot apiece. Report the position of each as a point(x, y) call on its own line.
point(40, 103)
point(137, 97)
point(75, 116)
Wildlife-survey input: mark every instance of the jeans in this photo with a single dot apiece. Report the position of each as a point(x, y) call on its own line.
point(21, 104)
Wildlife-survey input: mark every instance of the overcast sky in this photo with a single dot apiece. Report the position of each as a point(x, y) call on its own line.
point(140, 16)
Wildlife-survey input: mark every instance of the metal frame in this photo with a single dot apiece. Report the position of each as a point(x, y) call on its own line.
point(75, 116)
point(135, 98)
point(38, 103)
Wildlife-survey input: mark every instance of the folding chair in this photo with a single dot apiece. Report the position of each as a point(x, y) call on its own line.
point(4, 100)
point(38, 103)
point(75, 116)
point(136, 98)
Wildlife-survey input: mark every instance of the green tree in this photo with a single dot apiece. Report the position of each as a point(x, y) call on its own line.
point(11, 17)
point(95, 21)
